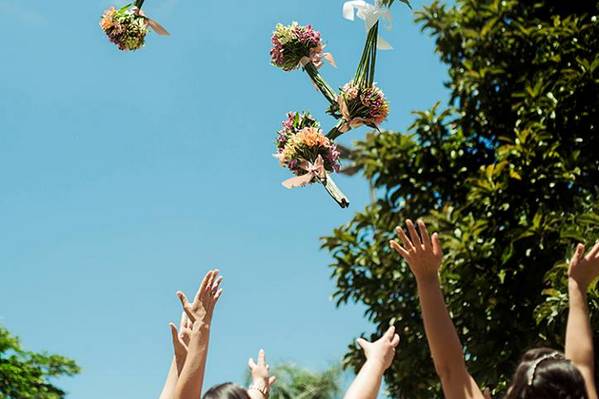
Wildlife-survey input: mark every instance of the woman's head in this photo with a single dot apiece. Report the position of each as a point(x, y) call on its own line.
point(226, 391)
point(544, 373)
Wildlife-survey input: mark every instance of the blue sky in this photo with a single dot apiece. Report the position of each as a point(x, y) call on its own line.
point(125, 176)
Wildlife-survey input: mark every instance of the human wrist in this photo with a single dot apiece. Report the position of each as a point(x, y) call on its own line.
point(260, 385)
point(377, 366)
point(577, 286)
point(428, 280)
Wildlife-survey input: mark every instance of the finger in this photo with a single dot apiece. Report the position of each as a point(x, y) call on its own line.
point(272, 380)
point(362, 343)
point(487, 393)
point(399, 249)
point(578, 253)
point(426, 240)
point(407, 244)
point(218, 295)
point(261, 358)
point(204, 283)
point(414, 234)
point(395, 340)
point(594, 252)
point(216, 283)
point(437, 250)
point(174, 335)
point(183, 322)
point(186, 306)
point(389, 333)
point(252, 364)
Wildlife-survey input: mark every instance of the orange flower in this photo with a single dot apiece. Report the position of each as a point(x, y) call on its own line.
point(313, 137)
point(106, 22)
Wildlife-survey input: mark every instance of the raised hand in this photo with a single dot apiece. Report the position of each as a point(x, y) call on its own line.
point(382, 351)
point(181, 339)
point(202, 308)
point(422, 252)
point(261, 378)
point(584, 269)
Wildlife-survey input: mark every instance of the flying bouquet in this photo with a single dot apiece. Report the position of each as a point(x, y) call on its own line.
point(371, 14)
point(304, 149)
point(296, 46)
point(127, 27)
point(360, 101)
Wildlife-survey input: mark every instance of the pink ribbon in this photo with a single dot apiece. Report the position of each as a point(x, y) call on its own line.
point(313, 171)
point(152, 23)
point(348, 122)
point(316, 57)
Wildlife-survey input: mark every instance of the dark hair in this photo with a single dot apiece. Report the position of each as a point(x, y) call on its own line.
point(545, 373)
point(227, 390)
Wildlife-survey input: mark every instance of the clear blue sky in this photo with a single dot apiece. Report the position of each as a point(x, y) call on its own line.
point(125, 176)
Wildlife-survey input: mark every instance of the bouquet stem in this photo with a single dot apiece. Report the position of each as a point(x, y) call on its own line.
point(366, 68)
point(335, 192)
point(336, 131)
point(139, 3)
point(320, 83)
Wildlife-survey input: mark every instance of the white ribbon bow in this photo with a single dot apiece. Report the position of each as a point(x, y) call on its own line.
point(370, 14)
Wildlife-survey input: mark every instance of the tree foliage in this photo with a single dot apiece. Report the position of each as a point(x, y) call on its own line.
point(27, 375)
point(508, 172)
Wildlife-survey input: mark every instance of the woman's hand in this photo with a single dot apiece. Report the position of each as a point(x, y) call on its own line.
point(181, 339)
point(423, 253)
point(584, 269)
point(382, 351)
point(200, 311)
point(261, 378)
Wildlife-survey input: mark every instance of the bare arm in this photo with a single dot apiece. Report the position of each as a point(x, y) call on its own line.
point(199, 313)
point(180, 340)
point(379, 356)
point(579, 336)
point(171, 382)
point(424, 256)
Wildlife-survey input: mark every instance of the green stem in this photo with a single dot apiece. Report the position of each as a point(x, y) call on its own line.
point(335, 192)
point(335, 132)
point(320, 83)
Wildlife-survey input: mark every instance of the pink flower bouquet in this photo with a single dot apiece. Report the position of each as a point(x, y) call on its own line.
point(304, 149)
point(127, 27)
point(295, 46)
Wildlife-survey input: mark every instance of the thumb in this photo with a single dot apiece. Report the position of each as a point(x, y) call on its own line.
point(174, 334)
point(272, 380)
point(363, 343)
point(579, 251)
point(390, 333)
point(186, 306)
point(251, 363)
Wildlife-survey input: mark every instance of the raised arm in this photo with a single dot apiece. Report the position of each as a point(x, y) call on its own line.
point(424, 255)
point(579, 336)
point(180, 341)
point(379, 356)
point(261, 378)
point(191, 380)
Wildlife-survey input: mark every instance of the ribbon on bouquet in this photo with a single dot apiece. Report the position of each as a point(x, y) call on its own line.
point(313, 171)
point(370, 14)
point(316, 57)
point(156, 27)
point(348, 122)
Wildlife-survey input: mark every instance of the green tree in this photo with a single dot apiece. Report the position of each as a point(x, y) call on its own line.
point(294, 382)
point(27, 375)
point(508, 173)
